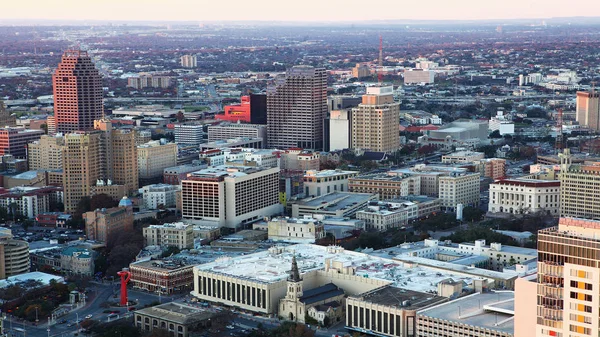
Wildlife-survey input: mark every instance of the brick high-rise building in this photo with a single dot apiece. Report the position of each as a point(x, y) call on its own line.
point(296, 108)
point(376, 121)
point(77, 88)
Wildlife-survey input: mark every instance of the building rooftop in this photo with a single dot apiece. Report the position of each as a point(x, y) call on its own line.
point(163, 265)
point(337, 200)
point(175, 225)
point(327, 173)
point(177, 312)
point(274, 265)
point(494, 311)
point(401, 298)
point(224, 171)
point(528, 182)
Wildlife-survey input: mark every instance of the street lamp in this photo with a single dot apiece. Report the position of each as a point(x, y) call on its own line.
point(77, 321)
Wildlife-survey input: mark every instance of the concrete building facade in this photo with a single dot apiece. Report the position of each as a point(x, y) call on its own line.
point(376, 121)
point(317, 183)
point(177, 234)
point(153, 157)
point(230, 196)
point(296, 108)
point(525, 196)
point(306, 230)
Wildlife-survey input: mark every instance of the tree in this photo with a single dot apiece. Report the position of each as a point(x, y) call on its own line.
point(472, 214)
point(495, 134)
point(326, 321)
point(426, 149)
point(102, 200)
point(44, 127)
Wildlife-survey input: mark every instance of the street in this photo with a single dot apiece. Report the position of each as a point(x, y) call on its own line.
point(98, 294)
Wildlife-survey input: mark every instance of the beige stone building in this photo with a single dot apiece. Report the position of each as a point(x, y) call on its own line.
point(177, 319)
point(306, 230)
point(579, 186)
point(154, 157)
point(317, 183)
point(46, 153)
point(77, 261)
point(177, 234)
point(297, 302)
point(81, 165)
point(525, 196)
point(118, 156)
point(376, 121)
point(459, 188)
point(102, 224)
point(388, 185)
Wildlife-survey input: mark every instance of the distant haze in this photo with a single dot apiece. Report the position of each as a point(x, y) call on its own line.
point(303, 10)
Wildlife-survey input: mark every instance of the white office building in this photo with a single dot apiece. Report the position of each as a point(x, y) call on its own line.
point(188, 134)
point(160, 195)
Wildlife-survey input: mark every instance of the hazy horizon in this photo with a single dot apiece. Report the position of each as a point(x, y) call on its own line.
point(307, 11)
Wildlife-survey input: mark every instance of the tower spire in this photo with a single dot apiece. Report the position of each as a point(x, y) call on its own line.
point(294, 273)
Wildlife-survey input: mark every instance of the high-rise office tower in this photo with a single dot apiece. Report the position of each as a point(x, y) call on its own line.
point(77, 88)
point(296, 108)
point(588, 109)
point(81, 165)
point(376, 121)
point(579, 186)
point(118, 155)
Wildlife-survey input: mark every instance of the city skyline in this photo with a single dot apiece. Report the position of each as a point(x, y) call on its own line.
point(269, 10)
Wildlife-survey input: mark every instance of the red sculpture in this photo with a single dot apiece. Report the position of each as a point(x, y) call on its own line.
point(125, 276)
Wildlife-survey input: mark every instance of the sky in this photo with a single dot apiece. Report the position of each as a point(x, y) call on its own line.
point(290, 10)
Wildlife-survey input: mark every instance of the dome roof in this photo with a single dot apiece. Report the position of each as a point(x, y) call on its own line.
point(125, 202)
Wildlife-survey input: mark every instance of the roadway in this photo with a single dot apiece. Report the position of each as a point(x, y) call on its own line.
point(97, 295)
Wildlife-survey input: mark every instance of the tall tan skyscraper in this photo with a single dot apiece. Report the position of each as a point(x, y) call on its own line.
point(77, 88)
point(81, 165)
point(376, 121)
point(119, 155)
point(296, 109)
point(588, 109)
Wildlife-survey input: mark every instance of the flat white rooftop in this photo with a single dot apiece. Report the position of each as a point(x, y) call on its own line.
point(269, 267)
